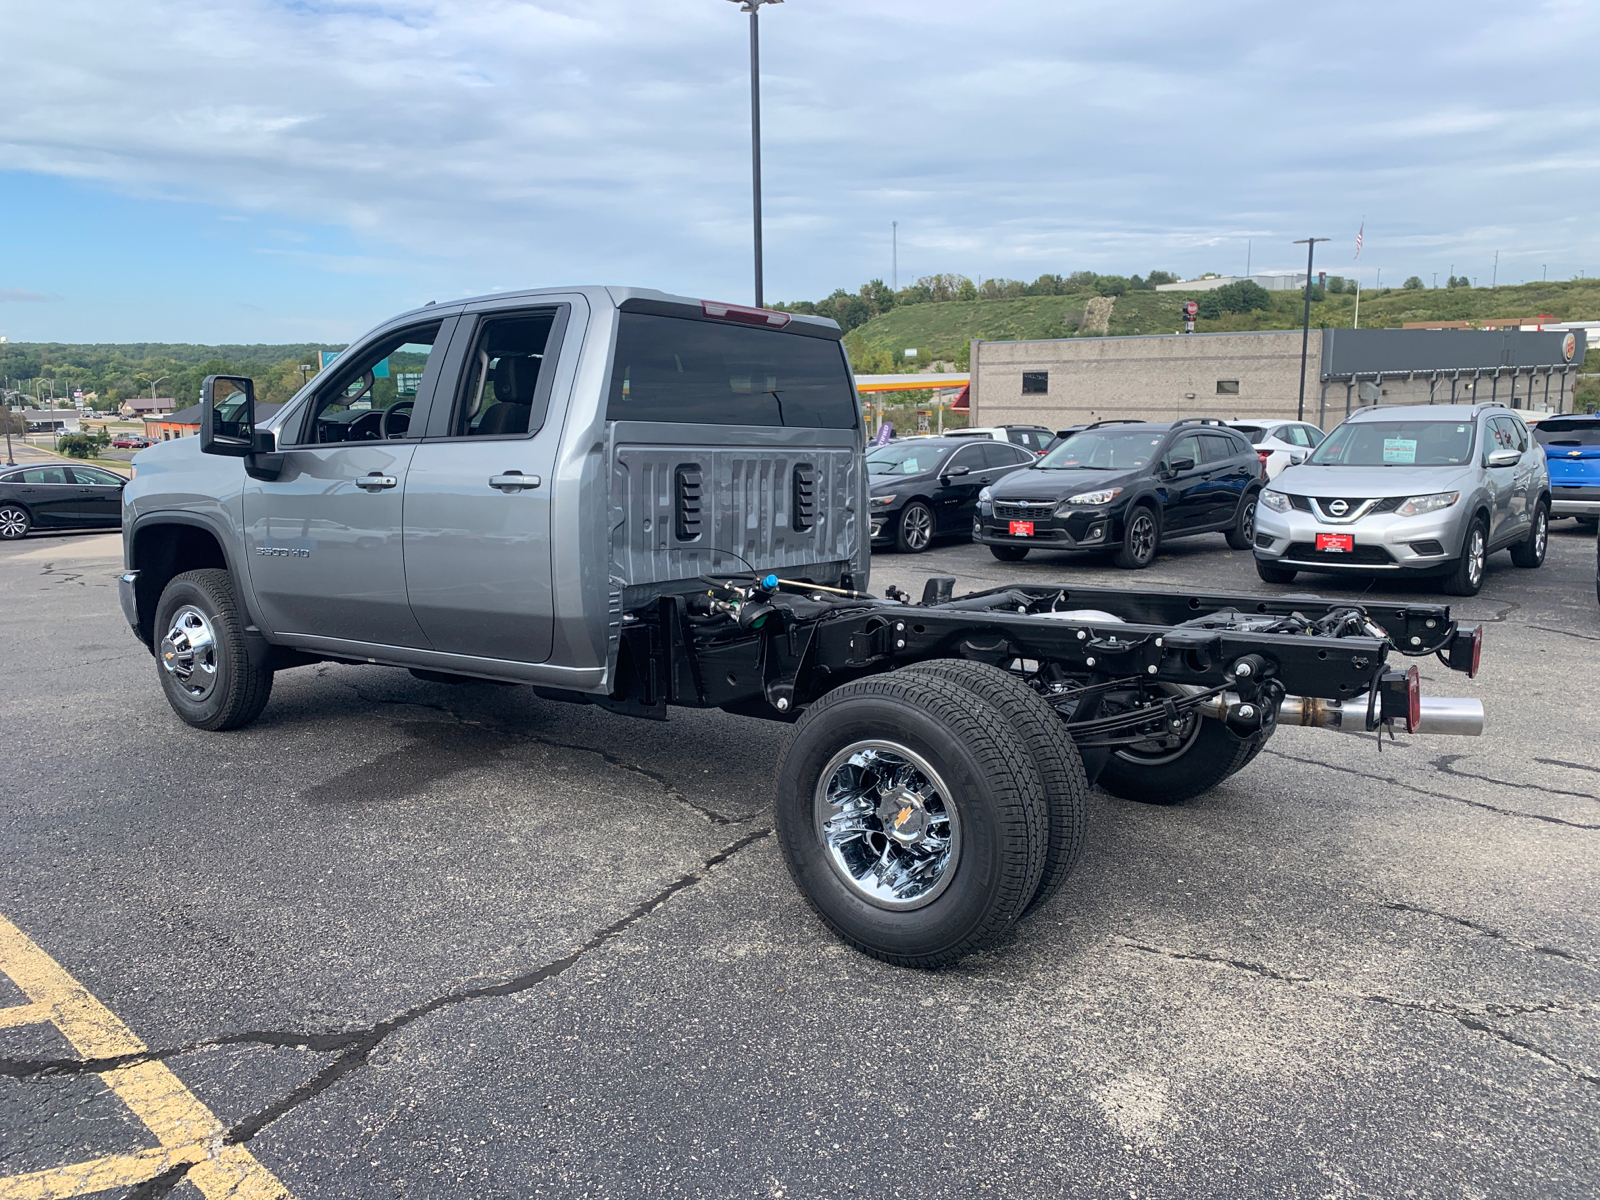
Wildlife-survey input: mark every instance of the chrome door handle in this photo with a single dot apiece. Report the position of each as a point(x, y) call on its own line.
point(376, 482)
point(513, 481)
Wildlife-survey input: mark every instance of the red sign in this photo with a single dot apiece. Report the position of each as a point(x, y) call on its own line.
point(1022, 529)
point(1191, 308)
point(1338, 543)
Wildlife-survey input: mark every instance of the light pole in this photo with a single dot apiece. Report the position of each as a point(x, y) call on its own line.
point(163, 379)
point(753, 8)
point(1305, 336)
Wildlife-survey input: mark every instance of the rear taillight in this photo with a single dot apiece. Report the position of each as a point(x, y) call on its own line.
point(1413, 700)
point(1263, 455)
point(745, 315)
point(1465, 650)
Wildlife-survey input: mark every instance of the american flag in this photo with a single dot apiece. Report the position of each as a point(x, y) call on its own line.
point(1359, 232)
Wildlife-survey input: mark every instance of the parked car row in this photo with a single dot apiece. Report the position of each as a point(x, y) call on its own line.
point(1420, 490)
point(58, 496)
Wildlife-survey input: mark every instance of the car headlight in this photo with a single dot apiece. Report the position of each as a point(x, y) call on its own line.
point(986, 495)
point(882, 501)
point(1276, 501)
point(1418, 505)
point(1103, 496)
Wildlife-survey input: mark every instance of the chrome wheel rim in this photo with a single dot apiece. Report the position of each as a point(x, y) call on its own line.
point(1142, 537)
point(888, 824)
point(189, 653)
point(917, 526)
point(1475, 557)
point(1248, 526)
point(1541, 535)
point(13, 523)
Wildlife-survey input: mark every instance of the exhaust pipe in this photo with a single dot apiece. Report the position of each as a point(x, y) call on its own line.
point(1439, 715)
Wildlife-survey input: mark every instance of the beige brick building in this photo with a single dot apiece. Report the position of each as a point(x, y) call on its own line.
point(1256, 376)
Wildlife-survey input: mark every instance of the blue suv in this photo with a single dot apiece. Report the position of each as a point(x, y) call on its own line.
point(1572, 452)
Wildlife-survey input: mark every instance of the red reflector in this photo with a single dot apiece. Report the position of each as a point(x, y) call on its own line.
point(744, 314)
point(1263, 455)
point(1413, 699)
point(1477, 652)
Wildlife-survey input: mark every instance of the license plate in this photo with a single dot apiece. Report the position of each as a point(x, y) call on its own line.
point(1022, 529)
point(1338, 543)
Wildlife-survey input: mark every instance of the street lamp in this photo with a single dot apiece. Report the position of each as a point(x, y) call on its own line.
point(753, 8)
point(163, 379)
point(1305, 337)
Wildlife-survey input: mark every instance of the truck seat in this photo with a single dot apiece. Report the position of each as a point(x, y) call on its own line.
point(515, 376)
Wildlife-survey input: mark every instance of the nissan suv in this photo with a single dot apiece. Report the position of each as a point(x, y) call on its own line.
point(1126, 486)
point(1417, 490)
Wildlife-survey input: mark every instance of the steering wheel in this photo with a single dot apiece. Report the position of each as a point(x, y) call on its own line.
point(392, 411)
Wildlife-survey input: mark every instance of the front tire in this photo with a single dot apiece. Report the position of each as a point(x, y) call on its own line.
point(912, 818)
point(1141, 538)
point(1274, 574)
point(1009, 553)
point(913, 533)
point(1530, 553)
point(14, 522)
point(1467, 577)
point(1243, 534)
point(201, 656)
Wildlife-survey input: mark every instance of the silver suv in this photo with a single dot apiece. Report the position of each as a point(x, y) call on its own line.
point(1420, 490)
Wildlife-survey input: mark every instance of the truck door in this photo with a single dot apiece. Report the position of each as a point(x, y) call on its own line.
point(1188, 502)
point(323, 539)
point(477, 505)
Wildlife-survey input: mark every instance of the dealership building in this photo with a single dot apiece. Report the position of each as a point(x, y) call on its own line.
point(1256, 376)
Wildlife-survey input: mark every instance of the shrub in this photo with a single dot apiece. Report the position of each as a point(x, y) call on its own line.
point(1412, 284)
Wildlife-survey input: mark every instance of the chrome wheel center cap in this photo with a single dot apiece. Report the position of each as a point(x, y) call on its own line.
point(903, 815)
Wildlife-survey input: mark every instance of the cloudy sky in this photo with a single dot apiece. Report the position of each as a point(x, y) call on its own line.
point(242, 170)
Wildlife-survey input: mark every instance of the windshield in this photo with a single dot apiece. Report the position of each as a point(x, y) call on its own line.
point(1103, 449)
point(1396, 444)
point(1568, 433)
point(907, 458)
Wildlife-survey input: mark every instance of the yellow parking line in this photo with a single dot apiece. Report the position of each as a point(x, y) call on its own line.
point(187, 1130)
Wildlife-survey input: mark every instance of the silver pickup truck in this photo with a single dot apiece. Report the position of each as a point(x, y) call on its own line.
point(636, 500)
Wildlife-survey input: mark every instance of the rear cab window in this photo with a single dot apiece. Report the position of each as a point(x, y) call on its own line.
point(680, 370)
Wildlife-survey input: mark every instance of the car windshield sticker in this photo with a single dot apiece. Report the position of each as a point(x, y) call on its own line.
point(1399, 450)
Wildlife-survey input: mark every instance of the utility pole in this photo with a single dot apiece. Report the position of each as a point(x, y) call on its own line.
point(753, 8)
point(1249, 244)
point(894, 261)
point(1310, 244)
point(1495, 278)
point(1436, 281)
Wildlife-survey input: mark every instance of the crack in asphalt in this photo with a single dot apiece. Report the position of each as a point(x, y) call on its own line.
point(353, 1049)
point(1557, 762)
point(671, 792)
point(1445, 765)
point(1507, 608)
point(1409, 787)
point(1468, 1018)
point(1565, 633)
point(1490, 932)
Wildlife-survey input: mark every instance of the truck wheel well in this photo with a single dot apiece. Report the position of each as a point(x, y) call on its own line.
point(161, 552)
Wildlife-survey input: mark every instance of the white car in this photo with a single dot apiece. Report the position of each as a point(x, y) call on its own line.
point(1280, 443)
point(1030, 437)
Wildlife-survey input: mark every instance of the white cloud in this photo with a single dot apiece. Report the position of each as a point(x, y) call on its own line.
point(578, 140)
point(16, 295)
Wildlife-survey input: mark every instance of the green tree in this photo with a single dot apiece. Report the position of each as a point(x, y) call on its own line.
point(1413, 283)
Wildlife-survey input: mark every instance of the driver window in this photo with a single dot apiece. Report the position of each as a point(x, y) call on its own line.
point(371, 397)
point(1188, 447)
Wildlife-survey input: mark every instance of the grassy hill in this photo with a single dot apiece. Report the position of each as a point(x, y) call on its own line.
point(943, 331)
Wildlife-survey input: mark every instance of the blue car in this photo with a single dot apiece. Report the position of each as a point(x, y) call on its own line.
point(1572, 452)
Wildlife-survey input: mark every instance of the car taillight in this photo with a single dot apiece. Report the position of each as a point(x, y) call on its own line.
point(1263, 455)
point(744, 314)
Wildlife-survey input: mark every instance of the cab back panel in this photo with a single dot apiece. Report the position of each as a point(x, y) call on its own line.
point(683, 496)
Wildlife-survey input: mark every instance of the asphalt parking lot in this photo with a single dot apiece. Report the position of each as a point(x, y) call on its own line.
point(402, 939)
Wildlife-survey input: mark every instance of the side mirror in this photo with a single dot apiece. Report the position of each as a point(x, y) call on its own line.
point(1179, 465)
point(227, 416)
point(954, 471)
point(1505, 458)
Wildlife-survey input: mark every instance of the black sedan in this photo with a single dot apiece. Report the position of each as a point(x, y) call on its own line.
point(58, 496)
point(1127, 487)
point(927, 486)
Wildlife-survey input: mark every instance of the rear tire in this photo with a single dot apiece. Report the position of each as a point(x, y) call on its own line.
point(841, 795)
point(201, 658)
point(1211, 757)
point(913, 532)
point(1273, 574)
point(1530, 553)
point(1466, 579)
point(1141, 538)
point(1243, 534)
point(1009, 553)
point(14, 522)
point(1055, 754)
